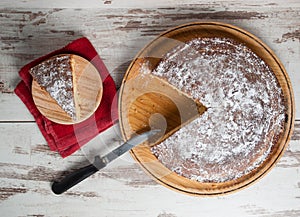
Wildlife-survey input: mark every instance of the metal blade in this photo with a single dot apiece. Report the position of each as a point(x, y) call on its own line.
point(127, 146)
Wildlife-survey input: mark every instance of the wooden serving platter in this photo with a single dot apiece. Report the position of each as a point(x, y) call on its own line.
point(142, 96)
point(88, 91)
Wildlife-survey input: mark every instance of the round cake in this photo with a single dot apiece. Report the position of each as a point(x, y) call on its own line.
point(245, 110)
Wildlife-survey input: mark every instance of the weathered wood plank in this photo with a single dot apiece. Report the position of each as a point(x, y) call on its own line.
point(118, 34)
point(27, 167)
point(144, 4)
point(119, 29)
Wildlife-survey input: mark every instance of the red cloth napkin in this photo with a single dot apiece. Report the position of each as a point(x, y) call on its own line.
point(66, 139)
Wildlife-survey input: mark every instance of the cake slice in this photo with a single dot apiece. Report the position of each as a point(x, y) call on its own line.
point(55, 75)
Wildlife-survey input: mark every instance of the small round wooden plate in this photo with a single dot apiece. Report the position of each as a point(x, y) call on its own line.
point(88, 93)
point(134, 85)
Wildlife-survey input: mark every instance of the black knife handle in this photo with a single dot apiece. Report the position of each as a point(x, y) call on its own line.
point(74, 178)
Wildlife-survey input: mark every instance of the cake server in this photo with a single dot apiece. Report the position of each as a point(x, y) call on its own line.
point(100, 162)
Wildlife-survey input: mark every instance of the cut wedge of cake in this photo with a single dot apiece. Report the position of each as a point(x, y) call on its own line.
point(55, 75)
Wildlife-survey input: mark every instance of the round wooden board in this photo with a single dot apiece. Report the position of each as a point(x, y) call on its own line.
point(133, 86)
point(88, 93)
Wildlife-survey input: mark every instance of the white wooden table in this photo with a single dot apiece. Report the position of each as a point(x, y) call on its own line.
point(119, 29)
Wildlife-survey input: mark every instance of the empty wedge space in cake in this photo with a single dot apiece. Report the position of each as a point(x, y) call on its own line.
point(154, 104)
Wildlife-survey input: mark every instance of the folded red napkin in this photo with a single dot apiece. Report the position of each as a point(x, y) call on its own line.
point(66, 139)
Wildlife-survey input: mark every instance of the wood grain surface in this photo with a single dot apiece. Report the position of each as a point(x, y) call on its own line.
point(119, 29)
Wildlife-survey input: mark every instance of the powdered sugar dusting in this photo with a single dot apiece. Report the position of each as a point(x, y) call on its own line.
point(245, 113)
point(55, 75)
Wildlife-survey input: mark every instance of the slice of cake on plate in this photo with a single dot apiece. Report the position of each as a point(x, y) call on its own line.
point(66, 88)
